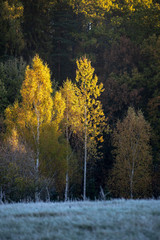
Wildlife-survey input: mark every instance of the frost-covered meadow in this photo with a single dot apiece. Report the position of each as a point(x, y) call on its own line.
point(106, 220)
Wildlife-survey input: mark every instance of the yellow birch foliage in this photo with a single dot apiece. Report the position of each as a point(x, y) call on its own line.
point(132, 5)
point(131, 173)
point(13, 11)
point(73, 108)
point(90, 91)
point(36, 92)
point(13, 140)
point(98, 8)
point(92, 8)
point(58, 110)
point(11, 116)
point(37, 104)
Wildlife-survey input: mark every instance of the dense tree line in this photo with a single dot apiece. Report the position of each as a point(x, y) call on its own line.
point(50, 122)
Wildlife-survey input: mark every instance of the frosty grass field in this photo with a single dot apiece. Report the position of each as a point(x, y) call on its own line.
point(106, 220)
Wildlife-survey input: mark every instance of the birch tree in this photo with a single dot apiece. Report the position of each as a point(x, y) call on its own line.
point(36, 107)
point(131, 173)
point(93, 119)
point(71, 119)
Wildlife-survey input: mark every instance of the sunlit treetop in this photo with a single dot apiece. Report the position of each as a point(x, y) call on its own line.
point(94, 117)
point(85, 75)
point(131, 5)
point(14, 10)
point(98, 8)
point(36, 90)
point(92, 8)
point(73, 108)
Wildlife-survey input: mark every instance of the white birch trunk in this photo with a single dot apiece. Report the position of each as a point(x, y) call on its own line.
point(134, 156)
point(131, 181)
point(48, 195)
point(85, 156)
point(67, 176)
point(67, 186)
point(37, 160)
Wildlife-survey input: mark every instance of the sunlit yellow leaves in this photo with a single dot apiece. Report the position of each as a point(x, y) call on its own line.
point(36, 107)
point(131, 5)
point(58, 109)
point(36, 92)
point(11, 114)
point(14, 142)
point(73, 108)
point(90, 92)
point(13, 11)
point(92, 8)
point(98, 8)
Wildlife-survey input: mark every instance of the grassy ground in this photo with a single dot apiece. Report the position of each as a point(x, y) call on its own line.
point(107, 220)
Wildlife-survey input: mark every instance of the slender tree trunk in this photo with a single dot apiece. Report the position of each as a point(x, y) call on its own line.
point(67, 187)
point(85, 156)
point(134, 156)
point(1, 196)
point(48, 195)
point(131, 183)
point(67, 176)
point(37, 161)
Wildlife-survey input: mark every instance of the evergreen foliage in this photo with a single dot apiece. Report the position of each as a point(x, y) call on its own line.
point(12, 75)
